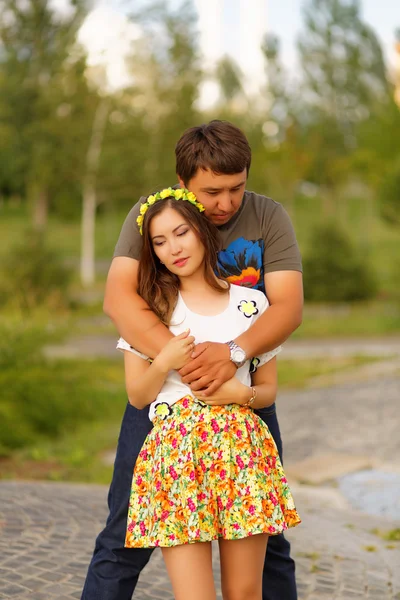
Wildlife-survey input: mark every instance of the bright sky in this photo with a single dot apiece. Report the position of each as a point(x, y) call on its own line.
point(108, 34)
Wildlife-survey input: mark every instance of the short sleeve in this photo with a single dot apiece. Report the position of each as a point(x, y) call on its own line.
point(123, 345)
point(281, 251)
point(259, 361)
point(129, 243)
point(262, 359)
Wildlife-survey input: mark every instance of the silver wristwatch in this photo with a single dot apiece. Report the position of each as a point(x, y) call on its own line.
point(238, 355)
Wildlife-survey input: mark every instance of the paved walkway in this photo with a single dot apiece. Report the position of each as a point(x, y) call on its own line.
point(104, 345)
point(47, 530)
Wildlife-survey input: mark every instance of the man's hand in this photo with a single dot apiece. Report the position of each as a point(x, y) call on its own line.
point(230, 392)
point(209, 368)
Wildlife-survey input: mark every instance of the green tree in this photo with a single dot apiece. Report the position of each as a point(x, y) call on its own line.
point(229, 77)
point(167, 75)
point(342, 61)
point(36, 61)
point(344, 79)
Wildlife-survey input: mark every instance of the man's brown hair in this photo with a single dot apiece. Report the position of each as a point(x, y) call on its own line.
point(219, 146)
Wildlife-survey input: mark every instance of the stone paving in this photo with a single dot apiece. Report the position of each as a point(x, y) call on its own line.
point(361, 419)
point(47, 530)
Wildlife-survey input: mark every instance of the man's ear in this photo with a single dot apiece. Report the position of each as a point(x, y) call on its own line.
point(181, 183)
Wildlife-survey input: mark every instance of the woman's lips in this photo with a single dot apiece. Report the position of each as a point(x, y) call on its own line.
point(181, 262)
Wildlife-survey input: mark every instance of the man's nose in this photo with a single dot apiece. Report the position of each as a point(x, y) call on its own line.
point(225, 202)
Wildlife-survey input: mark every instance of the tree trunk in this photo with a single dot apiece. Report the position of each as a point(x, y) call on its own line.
point(40, 209)
point(89, 204)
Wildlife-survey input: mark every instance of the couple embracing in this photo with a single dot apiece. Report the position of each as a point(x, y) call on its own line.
point(204, 287)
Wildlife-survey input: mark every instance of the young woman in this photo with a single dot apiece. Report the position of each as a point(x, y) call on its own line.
point(209, 469)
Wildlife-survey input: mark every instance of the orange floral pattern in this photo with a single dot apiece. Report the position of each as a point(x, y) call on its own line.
point(206, 472)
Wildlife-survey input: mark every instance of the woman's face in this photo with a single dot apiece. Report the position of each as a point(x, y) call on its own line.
point(175, 243)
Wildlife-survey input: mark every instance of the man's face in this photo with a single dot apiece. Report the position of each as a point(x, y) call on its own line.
point(221, 195)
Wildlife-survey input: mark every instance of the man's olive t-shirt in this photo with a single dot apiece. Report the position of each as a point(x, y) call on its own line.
point(258, 239)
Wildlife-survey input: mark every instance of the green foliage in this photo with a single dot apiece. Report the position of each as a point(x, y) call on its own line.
point(40, 77)
point(390, 195)
point(34, 275)
point(43, 400)
point(333, 270)
point(342, 60)
point(333, 127)
point(344, 78)
point(230, 79)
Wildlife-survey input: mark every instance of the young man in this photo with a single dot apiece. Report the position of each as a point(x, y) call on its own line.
point(259, 250)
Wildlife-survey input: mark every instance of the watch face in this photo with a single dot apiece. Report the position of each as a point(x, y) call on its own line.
point(238, 356)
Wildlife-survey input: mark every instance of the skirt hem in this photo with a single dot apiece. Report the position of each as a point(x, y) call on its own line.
point(213, 538)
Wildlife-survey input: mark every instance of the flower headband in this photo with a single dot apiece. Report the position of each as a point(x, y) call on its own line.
point(179, 194)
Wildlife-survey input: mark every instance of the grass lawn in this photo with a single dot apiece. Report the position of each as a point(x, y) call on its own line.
point(377, 318)
point(296, 374)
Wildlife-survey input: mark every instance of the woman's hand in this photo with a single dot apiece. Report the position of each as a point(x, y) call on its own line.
point(176, 353)
point(230, 392)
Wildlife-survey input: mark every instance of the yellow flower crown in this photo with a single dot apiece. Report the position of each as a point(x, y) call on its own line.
point(179, 194)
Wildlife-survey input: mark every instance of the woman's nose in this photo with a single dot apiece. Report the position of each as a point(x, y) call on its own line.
point(176, 247)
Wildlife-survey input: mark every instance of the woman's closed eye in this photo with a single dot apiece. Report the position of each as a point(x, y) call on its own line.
point(183, 232)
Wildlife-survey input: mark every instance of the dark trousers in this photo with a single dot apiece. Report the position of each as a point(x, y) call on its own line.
point(114, 570)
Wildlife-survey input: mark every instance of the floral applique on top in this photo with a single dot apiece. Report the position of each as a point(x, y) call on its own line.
point(162, 409)
point(248, 308)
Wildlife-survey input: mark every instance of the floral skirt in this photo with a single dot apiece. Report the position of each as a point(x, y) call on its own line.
point(207, 472)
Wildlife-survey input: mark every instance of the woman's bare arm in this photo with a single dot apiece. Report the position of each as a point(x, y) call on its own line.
point(265, 382)
point(143, 380)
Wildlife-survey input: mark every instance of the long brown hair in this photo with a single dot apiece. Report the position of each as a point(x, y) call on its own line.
point(156, 284)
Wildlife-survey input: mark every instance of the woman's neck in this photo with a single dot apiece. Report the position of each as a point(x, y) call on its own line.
point(196, 283)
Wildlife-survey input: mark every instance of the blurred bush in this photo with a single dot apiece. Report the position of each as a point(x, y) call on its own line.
point(390, 195)
point(334, 271)
point(42, 399)
point(34, 275)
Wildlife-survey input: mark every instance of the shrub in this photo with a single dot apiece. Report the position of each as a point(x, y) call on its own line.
point(42, 399)
point(390, 195)
point(33, 275)
point(333, 269)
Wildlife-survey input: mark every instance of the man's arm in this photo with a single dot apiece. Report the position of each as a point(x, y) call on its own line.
point(212, 364)
point(284, 289)
point(131, 315)
point(284, 315)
